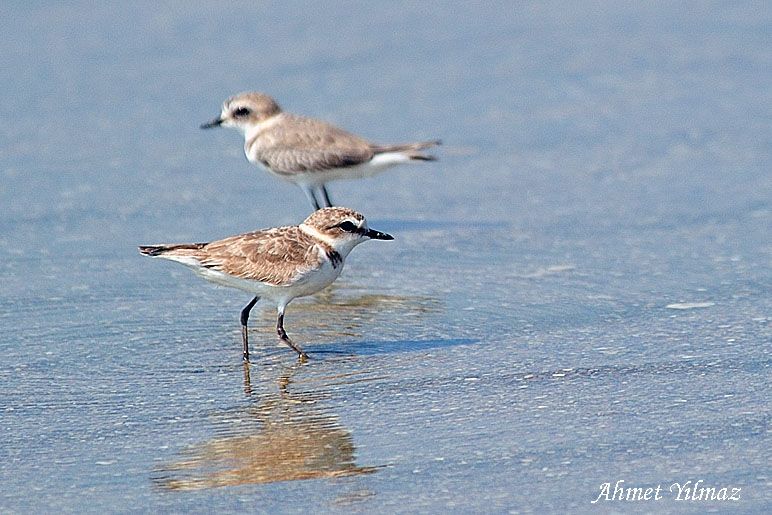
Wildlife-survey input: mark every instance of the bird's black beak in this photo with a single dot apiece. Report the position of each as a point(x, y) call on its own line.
point(214, 123)
point(378, 235)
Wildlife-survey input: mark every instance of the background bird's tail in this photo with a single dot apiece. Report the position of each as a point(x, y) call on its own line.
point(411, 150)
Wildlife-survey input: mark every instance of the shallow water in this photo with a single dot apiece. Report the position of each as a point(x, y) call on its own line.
point(578, 291)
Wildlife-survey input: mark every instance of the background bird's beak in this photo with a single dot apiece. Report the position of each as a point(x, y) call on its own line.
point(214, 123)
point(378, 235)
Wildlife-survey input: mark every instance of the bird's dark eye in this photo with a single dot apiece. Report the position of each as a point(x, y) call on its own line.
point(241, 112)
point(348, 226)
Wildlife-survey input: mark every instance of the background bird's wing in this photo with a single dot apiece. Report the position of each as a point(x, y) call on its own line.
point(302, 144)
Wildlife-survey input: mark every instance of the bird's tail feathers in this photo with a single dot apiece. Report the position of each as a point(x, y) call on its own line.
point(181, 249)
point(411, 150)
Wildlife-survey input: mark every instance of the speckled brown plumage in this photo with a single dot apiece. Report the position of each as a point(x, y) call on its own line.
point(274, 256)
point(279, 264)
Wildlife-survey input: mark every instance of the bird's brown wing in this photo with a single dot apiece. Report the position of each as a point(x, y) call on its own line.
point(278, 257)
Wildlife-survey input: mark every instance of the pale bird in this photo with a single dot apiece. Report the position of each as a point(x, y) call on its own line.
point(306, 151)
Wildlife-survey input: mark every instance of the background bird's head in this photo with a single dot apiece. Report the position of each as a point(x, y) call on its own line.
point(244, 111)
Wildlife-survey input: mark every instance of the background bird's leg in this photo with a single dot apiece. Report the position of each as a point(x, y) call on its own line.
point(326, 196)
point(309, 191)
point(244, 319)
point(284, 338)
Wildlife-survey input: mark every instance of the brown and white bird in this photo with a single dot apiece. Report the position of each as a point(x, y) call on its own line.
point(277, 264)
point(306, 151)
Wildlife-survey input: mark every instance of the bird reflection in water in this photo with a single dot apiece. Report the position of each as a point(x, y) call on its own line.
point(344, 310)
point(286, 436)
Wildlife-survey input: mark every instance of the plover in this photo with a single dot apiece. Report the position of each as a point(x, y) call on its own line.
point(306, 151)
point(278, 264)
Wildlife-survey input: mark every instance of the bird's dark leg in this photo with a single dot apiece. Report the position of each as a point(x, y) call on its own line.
point(284, 338)
point(326, 196)
point(244, 319)
point(309, 191)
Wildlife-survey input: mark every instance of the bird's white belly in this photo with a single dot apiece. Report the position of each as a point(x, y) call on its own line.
point(310, 283)
point(376, 165)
